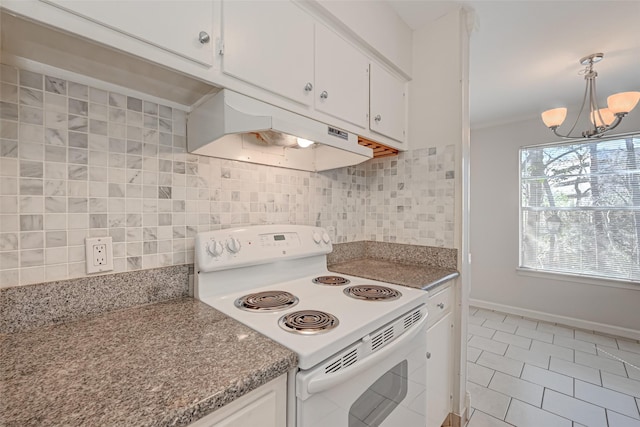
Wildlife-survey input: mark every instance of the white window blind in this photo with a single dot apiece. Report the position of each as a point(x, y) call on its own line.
point(580, 208)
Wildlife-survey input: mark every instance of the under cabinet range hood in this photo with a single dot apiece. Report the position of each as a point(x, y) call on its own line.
point(233, 126)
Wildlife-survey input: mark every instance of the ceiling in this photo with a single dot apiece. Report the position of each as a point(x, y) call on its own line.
point(524, 54)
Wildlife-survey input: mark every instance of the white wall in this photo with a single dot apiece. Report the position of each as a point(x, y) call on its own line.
point(494, 242)
point(435, 92)
point(438, 116)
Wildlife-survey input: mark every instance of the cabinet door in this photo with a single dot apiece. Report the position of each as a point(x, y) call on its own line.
point(388, 108)
point(439, 370)
point(342, 78)
point(269, 44)
point(260, 412)
point(172, 25)
point(265, 406)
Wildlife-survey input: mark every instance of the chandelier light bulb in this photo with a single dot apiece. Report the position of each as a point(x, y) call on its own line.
point(623, 102)
point(554, 117)
point(607, 117)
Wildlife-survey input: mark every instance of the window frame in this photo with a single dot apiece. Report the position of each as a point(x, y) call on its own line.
point(564, 276)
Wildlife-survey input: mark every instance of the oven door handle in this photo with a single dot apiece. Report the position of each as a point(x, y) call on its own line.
point(317, 385)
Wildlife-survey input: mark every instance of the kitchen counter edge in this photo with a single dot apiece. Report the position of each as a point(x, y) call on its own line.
point(163, 364)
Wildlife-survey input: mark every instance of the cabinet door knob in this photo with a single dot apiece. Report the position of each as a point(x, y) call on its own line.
point(324, 94)
point(428, 355)
point(203, 37)
point(308, 87)
point(377, 118)
point(441, 305)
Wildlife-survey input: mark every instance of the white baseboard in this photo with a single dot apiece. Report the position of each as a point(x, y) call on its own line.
point(563, 320)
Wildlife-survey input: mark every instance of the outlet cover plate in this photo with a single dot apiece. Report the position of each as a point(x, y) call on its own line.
point(99, 254)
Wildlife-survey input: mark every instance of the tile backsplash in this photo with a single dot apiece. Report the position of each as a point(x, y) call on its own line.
point(79, 161)
point(411, 198)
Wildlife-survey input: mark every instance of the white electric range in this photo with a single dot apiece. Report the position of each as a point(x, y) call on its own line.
point(361, 344)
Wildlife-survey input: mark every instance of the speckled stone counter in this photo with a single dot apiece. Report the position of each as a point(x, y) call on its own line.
point(32, 306)
point(420, 267)
point(164, 364)
point(414, 276)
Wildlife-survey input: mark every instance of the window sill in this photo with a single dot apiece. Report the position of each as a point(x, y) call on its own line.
point(586, 280)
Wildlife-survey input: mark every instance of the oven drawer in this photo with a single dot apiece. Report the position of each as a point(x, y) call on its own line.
point(440, 304)
point(384, 388)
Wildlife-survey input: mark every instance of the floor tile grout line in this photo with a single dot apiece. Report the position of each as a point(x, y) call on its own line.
point(582, 400)
point(558, 415)
point(574, 358)
point(574, 329)
point(489, 415)
point(531, 382)
point(541, 408)
point(613, 357)
point(624, 362)
point(508, 407)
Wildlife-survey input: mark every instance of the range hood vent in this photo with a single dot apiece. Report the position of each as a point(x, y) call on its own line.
point(233, 126)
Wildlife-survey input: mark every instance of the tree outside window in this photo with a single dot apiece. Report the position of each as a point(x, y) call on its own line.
point(580, 208)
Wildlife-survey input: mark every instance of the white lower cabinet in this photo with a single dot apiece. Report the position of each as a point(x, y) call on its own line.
point(439, 358)
point(265, 406)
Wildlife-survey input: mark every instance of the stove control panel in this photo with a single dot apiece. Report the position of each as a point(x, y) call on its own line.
point(233, 245)
point(214, 248)
point(238, 247)
point(324, 238)
point(280, 240)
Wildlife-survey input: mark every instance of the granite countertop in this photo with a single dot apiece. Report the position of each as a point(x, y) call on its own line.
point(415, 276)
point(168, 363)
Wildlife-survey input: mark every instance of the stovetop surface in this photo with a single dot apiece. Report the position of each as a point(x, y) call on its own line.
point(357, 318)
point(232, 263)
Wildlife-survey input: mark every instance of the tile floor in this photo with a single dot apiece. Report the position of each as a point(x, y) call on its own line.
point(529, 373)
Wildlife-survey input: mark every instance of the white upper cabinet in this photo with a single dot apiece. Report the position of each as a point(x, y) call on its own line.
point(184, 28)
point(387, 104)
point(342, 78)
point(279, 47)
point(289, 53)
point(270, 45)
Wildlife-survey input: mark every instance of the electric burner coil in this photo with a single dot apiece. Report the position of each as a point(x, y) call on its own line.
point(372, 293)
point(331, 280)
point(308, 322)
point(266, 301)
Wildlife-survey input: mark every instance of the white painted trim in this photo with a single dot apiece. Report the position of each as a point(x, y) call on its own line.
point(555, 318)
point(584, 280)
point(466, 21)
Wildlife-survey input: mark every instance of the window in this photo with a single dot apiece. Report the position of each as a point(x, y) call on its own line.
point(580, 208)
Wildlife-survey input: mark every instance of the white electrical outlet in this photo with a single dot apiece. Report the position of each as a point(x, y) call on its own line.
point(99, 254)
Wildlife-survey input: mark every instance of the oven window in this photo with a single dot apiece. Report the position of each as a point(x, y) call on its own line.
point(380, 400)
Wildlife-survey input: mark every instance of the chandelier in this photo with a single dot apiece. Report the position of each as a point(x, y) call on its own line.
point(602, 119)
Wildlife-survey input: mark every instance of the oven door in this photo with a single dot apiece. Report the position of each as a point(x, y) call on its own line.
point(384, 388)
